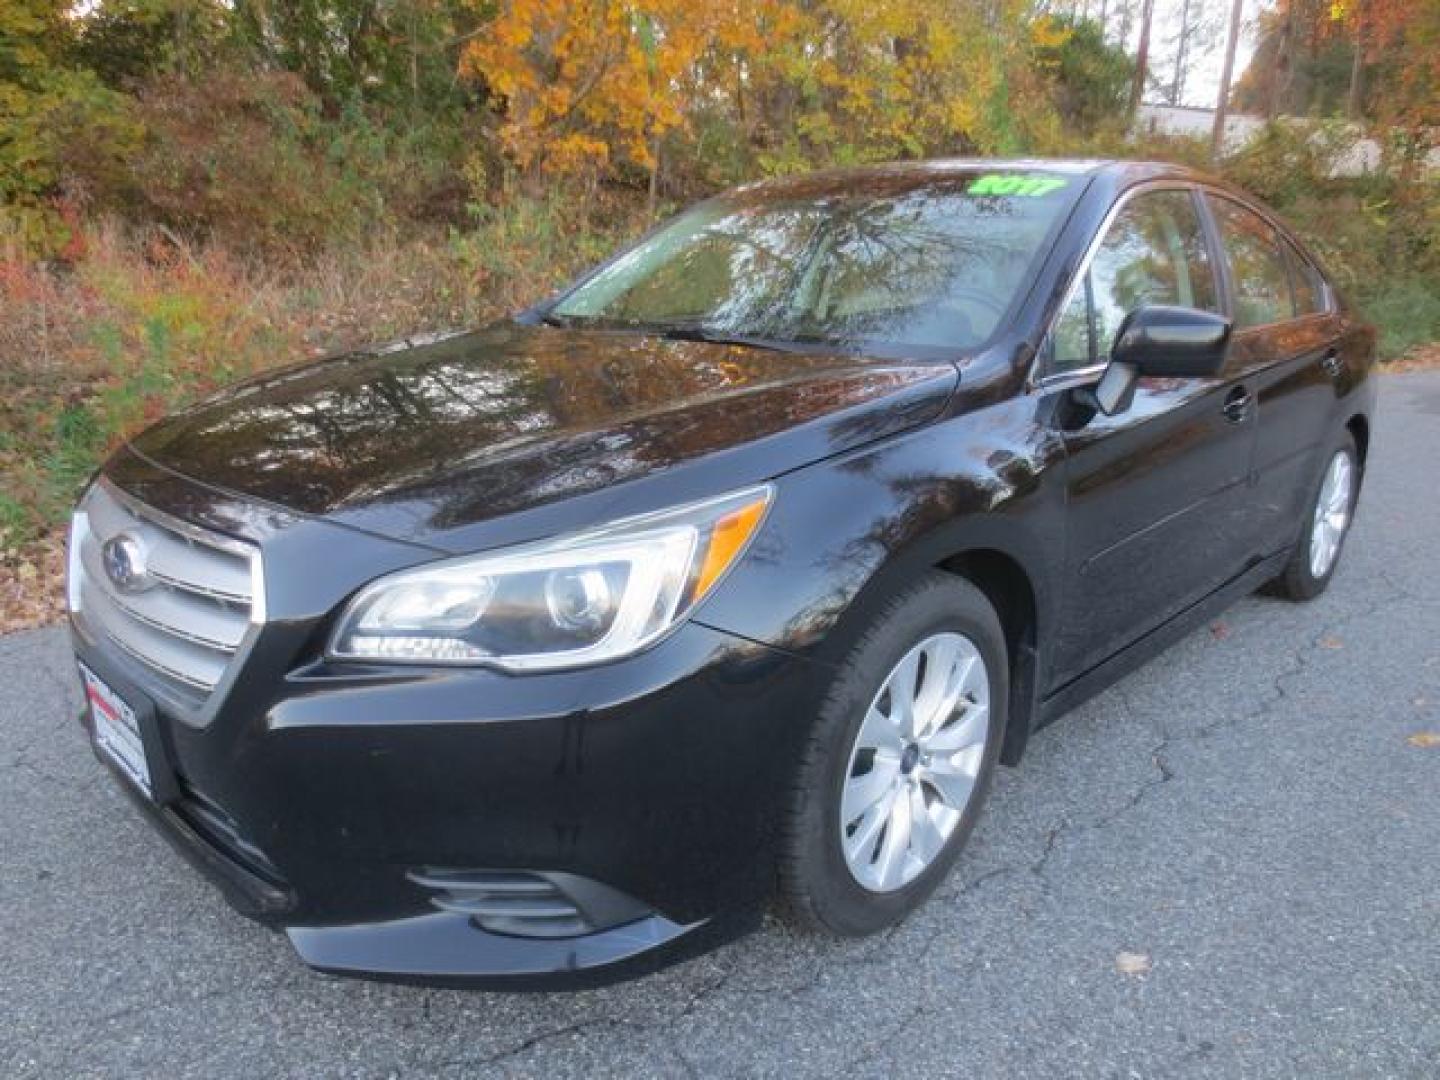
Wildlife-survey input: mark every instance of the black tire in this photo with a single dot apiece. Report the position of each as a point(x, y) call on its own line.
point(817, 890)
point(1298, 580)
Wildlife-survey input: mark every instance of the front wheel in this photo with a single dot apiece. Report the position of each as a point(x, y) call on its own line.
point(1330, 511)
point(899, 762)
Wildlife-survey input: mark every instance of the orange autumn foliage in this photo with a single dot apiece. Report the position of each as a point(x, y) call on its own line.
point(590, 82)
point(596, 84)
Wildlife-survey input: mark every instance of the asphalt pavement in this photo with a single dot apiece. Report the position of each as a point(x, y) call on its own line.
point(1227, 865)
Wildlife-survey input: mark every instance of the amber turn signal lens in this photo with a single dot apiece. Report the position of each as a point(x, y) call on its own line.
point(727, 540)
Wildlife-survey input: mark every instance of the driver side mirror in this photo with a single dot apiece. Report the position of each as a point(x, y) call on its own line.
point(1169, 342)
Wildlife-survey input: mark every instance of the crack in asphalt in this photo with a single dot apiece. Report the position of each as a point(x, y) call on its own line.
point(530, 1043)
point(880, 1049)
point(1302, 662)
point(1165, 771)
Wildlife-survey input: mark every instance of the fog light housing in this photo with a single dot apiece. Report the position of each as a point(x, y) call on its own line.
point(529, 903)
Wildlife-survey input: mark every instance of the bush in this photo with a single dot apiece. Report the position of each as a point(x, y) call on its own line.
point(44, 134)
point(1285, 162)
point(1378, 235)
point(241, 160)
point(248, 161)
point(1407, 311)
point(520, 249)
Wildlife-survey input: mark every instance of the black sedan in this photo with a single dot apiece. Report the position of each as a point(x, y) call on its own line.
point(557, 649)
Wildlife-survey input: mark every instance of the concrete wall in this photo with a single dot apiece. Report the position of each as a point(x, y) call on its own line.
point(1362, 156)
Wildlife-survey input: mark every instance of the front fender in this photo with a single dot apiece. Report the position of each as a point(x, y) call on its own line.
point(846, 533)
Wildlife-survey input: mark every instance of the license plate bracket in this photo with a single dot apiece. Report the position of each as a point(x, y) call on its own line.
point(126, 734)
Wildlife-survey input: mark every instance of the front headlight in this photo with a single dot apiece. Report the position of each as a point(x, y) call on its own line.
point(578, 600)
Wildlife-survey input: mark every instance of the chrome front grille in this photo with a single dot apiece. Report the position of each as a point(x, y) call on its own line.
point(178, 600)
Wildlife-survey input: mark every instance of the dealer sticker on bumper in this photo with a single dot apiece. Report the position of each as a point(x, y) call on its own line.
point(117, 732)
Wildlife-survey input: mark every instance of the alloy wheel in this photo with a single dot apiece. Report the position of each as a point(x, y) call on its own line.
point(915, 762)
point(1332, 513)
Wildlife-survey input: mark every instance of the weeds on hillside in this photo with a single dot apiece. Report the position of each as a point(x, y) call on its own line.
point(138, 326)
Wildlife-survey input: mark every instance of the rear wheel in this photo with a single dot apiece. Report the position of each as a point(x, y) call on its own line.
point(900, 760)
point(1327, 523)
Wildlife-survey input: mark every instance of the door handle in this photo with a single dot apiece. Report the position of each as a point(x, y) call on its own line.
point(1331, 362)
point(1237, 405)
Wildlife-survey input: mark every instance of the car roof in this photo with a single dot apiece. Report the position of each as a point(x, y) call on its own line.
point(913, 174)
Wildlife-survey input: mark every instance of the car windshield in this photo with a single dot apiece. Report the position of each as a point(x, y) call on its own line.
point(934, 264)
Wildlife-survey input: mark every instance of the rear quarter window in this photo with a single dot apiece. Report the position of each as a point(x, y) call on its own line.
point(1259, 273)
point(1311, 296)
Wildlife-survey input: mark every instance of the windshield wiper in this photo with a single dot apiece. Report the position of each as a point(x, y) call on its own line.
point(689, 332)
point(673, 332)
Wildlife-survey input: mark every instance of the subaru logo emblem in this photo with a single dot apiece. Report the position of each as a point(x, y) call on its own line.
point(124, 559)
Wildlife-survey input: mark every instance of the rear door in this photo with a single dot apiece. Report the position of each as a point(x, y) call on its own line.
point(1286, 341)
point(1153, 515)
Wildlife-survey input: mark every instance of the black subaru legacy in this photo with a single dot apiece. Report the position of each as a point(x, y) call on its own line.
point(558, 649)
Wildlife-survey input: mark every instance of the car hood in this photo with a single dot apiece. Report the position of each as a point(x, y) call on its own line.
point(424, 441)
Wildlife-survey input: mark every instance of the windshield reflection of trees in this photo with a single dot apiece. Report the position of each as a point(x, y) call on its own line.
point(927, 267)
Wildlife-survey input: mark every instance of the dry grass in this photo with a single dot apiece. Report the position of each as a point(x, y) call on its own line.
point(1421, 358)
point(136, 326)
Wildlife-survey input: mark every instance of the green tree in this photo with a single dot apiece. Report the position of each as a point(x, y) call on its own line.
point(393, 52)
point(51, 110)
point(1091, 77)
point(127, 41)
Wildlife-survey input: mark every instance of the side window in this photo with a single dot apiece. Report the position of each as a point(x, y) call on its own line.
point(1153, 253)
point(1307, 284)
point(1258, 273)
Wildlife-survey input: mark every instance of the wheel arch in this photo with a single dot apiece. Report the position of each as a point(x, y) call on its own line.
point(1007, 563)
point(1359, 428)
point(1006, 584)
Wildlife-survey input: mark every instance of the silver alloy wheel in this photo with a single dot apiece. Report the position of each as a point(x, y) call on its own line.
point(1332, 513)
point(915, 761)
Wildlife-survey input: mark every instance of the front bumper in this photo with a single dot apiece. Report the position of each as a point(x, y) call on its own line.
point(659, 778)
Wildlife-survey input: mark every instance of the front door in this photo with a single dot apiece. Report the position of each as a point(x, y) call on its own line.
point(1156, 503)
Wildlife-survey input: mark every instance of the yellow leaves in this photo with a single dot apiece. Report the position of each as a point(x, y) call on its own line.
point(1425, 740)
point(595, 80)
point(1047, 32)
point(570, 153)
point(601, 81)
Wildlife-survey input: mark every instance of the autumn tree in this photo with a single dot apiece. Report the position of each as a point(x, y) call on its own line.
point(601, 84)
point(1377, 60)
point(1400, 41)
point(49, 108)
point(597, 83)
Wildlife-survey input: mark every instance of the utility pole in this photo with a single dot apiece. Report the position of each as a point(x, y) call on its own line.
point(1217, 135)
